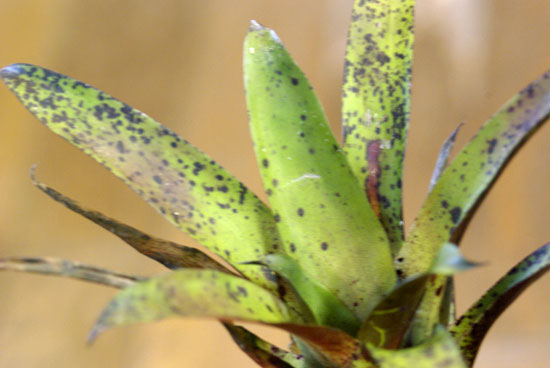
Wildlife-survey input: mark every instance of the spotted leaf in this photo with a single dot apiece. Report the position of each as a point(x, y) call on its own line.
point(464, 182)
point(179, 181)
point(324, 219)
point(376, 103)
point(193, 293)
point(168, 253)
point(472, 327)
point(439, 351)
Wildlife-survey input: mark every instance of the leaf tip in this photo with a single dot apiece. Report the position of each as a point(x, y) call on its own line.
point(94, 333)
point(11, 71)
point(255, 26)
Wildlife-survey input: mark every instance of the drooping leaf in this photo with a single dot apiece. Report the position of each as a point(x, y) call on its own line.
point(443, 156)
point(322, 215)
point(376, 103)
point(387, 323)
point(193, 293)
point(262, 352)
point(472, 327)
point(66, 268)
point(179, 181)
point(327, 309)
point(440, 351)
point(168, 253)
point(470, 175)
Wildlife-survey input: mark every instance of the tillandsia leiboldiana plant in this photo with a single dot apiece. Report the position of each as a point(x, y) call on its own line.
point(328, 260)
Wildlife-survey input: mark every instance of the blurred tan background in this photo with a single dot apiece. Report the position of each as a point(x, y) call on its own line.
point(180, 61)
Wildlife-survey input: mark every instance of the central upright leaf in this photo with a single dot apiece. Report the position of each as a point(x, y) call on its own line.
point(322, 214)
point(376, 103)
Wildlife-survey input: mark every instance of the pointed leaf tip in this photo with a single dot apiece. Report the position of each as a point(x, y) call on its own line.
point(255, 26)
point(10, 71)
point(449, 260)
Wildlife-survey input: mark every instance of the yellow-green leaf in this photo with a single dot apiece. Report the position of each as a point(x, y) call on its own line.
point(440, 351)
point(193, 293)
point(471, 328)
point(168, 253)
point(324, 219)
point(376, 103)
point(179, 181)
point(465, 181)
point(327, 308)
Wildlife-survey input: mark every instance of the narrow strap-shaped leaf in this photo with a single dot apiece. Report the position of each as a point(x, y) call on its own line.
point(262, 352)
point(376, 103)
point(327, 308)
point(439, 351)
point(443, 156)
point(472, 327)
point(324, 219)
point(169, 254)
point(76, 270)
point(193, 293)
point(66, 268)
point(179, 181)
point(470, 175)
point(387, 323)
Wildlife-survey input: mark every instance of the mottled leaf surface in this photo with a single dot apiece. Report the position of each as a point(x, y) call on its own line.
point(440, 351)
point(327, 308)
point(179, 181)
point(471, 173)
point(324, 219)
point(472, 327)
point(262, 352)
point(376, 103)
point(168, 253)
point(193, 293)
point(66, 268)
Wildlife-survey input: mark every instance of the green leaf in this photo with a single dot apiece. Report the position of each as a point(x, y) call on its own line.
point(193, 293)
point(376, 103)
point(440, 351)
point(435, 307)
point(387, 323)
point(472, 327)
point(65, 268)
point(322, 215)
point(179, 181)
point(169, 254)
point(327, 309)
point(465, 181)
point(262, 352)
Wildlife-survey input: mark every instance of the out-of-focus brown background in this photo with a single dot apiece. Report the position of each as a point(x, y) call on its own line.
point(180, 61)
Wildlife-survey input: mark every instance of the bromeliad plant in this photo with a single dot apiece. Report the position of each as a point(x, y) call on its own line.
point(328, 261)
